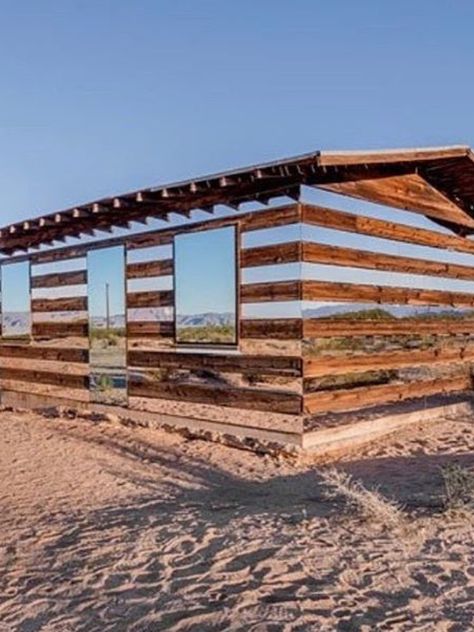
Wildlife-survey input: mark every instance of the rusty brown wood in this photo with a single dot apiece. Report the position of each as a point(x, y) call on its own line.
point(273, 291)
point(55, 329)
point(349, 222)
point(76, 304)
point(324, 328)
point(361, 397)
point(325, 365)
point(227, 363)
point(255, 399)
point(54, 354)
point(278, 328)
point(324, 290)
point(150, 329)
point(147, 269)
point(45, 377)
point(59, 279)
point(163, 298)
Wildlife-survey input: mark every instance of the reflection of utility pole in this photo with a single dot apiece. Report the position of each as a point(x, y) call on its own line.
point(107, 307)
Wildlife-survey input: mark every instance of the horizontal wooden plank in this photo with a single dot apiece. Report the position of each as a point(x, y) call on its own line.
point(341, 220)
point(325, 365)
point(163, 298)
point(270, 218)
point(350, 257)
point(268, 292)
point(227, 363)
point(324, 290)
point(246, 222)
point(45, 377)
point(150, 329)
point(55, 354)
point(409, 191)
point(59, 279)
point(346, 158)
point(362, 397)
point(145, 269)
point(76, 304)
point(253, 220)
point(323, 328)
point(271, 255)
point(278, 328)
point(56, 329)
point(310, 252)
point(255, 399)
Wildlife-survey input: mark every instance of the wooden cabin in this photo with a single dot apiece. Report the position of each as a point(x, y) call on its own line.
point(252, 306)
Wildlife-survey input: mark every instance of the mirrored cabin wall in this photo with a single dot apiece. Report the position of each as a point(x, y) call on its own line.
point(16, 301)
point(206, 300)
point(107, 325)
point(389, 314)
point(206, 316)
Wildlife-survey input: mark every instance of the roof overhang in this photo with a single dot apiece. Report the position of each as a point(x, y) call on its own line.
point(438, 182)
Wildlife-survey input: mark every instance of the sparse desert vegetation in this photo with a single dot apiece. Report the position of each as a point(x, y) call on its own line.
point(216, 334)
point(369, 505)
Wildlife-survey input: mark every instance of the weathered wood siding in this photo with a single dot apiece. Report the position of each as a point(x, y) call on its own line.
point(383, 343)
point(370, 325)
point(263, 376)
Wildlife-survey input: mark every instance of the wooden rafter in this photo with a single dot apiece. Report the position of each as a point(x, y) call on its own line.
point(438, 182)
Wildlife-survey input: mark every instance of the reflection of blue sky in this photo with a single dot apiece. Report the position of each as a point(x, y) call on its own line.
point(267, 236)
point(205, 272)
point(150, 284)
point(153, 253)
point(67, 265)
point(106, 265)
point(361, 207)
point(15, 286)
point(261, 274)
point(339, 274)
point(280, 309)
point(322, 235)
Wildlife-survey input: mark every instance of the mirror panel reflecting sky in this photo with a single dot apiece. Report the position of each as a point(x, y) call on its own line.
point(205, 286)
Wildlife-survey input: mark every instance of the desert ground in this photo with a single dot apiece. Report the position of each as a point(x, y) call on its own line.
point(110, 528)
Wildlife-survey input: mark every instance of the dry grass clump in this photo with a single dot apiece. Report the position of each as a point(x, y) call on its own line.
point(370, 505)
point(458, 487)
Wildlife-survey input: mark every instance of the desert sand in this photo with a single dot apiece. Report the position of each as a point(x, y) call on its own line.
point(110, 528)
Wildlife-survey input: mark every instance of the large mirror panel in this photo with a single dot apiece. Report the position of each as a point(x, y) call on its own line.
point(16, 301)
point(206, 287)
point(107, 325)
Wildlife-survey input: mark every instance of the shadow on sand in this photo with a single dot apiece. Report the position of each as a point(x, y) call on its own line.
point(201, 549)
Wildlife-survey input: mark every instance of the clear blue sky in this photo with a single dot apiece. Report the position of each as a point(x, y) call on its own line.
point(99, 97)
point(106, 266)
point(205, 272)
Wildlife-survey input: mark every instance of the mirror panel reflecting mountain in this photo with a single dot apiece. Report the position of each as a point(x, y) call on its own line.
point(16, 301)
point(206, 287)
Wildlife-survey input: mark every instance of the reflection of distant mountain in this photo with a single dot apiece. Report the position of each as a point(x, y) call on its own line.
point(116, 320)
point(397, 311)
point(209, 318)
point(191, 320)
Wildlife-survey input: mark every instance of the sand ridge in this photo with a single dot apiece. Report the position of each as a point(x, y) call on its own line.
point(110, 528)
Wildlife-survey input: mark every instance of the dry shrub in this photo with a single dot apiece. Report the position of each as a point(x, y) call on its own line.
point(458, 487)
point(370, 505)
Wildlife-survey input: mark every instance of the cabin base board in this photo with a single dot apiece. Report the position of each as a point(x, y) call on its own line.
point(324, 442)
point(344, 438)
point(34, 401)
